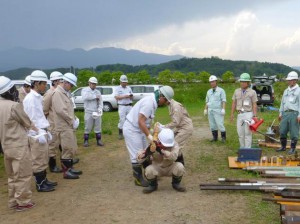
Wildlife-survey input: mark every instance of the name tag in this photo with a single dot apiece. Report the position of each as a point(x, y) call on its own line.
point(246, 103)
point(291, 99)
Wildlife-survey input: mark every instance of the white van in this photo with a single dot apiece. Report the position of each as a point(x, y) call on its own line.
point(140, 91)
point(108, 97)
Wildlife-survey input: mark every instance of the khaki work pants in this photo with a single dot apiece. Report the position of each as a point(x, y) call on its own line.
point(18, 168)
point(68, 143)
point(153, 171)
point(244, 132)
point(39, 154)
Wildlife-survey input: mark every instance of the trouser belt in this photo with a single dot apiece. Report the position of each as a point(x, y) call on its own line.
point(130, 104)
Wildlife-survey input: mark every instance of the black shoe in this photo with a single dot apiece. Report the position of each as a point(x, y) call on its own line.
point(176, 184)
point(223, 136)
point(50, 183)
point(52, 166)
point(215, 136)
point(139, 179)
point(75, 172)
point(291, 151)
point(55, 170)
point(100, 143)
point(66, 164)
point(69, 175)
point(283, 142)
point(121, 134)
point(40, 182)
point(152, 186)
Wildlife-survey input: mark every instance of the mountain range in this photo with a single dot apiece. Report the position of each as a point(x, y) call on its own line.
point(15, 58)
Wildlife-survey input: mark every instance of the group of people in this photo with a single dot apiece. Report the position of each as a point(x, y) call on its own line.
point(32, 130)
point(244, 102)
point(34, 127)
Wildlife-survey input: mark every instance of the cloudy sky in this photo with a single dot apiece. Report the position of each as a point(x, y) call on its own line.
point(262, 30)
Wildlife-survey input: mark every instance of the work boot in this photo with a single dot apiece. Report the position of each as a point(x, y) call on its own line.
point(40, 182)
point(283, 142)
point(180, 159)
point(48, 182)
point(86, 140)
point(293, 147)
point(52, 166)
point(176, 184)
point(223, 136)
point(121, 134)
point(66, 164)
point(98, 138)
point(215, 136)
point(152, 186)
point(76, 172)
point(138, 175)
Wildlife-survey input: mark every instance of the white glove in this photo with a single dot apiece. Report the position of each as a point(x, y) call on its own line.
point(223, 111)
point(41, 138)
point(31, 133)
point(76, 123)
point(160, 126)
point(49, 136)
point(100, 111)
point(166, 153)
point(150, 138)
point(205, 112)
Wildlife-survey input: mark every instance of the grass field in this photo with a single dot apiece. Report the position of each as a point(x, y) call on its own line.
point(192, 96)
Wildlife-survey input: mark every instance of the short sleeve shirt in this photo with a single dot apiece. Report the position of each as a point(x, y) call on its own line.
point(244, 99)
point(120, 91)
point(215, 97)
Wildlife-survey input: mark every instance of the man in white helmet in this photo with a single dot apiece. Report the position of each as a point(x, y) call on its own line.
point(181, 123)
point(137, 130)
point(215, 109)
point(25, 89)
point(163, 162)
point(33, 107)
point(124, 97)
point(93, 109)
point(56, 79)
point(65, 123)
point(289, 113)
point(244, 101)
point(14, 139)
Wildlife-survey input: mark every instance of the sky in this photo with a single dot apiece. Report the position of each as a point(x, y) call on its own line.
point(260, 30)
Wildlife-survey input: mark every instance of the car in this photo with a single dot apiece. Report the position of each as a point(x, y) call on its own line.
point(108, 97)
point(140, 91)
point(264, 89)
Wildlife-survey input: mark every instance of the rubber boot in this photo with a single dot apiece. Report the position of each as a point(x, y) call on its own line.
point(52, 166)
point(283, 142)
point(66, 164)
point(176, 184)
point(48, 182)
point(223, 136)
point(40, 182)
point(152, 186)
point(215, 136)
point(75, 160)
point(293, 147)
point(86, 140)
point(121, 134)
point(98, 138)
point(180, 159)
point(139, 179)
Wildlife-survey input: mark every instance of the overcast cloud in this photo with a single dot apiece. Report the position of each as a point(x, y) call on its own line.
point(263, 30)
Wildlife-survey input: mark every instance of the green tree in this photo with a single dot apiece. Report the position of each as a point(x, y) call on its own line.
point(165, 76)
point(228, 76)
point(83, 77)
point(190, 77)
point(178, 77)
point(204, 76)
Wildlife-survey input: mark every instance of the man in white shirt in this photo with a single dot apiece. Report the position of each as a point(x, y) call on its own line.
point(137, 130)
point(124, 97)
point(93, 109)
point(33, 107)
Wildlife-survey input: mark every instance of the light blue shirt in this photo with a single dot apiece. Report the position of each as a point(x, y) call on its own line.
point(214, 99)
point(290, 100)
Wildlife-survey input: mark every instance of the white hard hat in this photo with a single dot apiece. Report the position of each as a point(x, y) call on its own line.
point(71, 78)
point(292, 76)
point(56, 76)
point(213, 78)
point(27, 80)
point(93, 80)
point(123, 78)
point(5, 84)
point(38, 75)
point(166, 137)
point(167, 91)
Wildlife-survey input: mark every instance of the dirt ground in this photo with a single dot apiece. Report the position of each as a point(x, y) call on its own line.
point(105, 193)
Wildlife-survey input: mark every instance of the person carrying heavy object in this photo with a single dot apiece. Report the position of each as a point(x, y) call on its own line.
point(136, 130)
point(14, 124)
point(244, 102)
point(289, 113)
point(33, 107)
point(93, 109)
point(124, 97)
point(65, 123)
point(163, 162)
point(215, 109)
